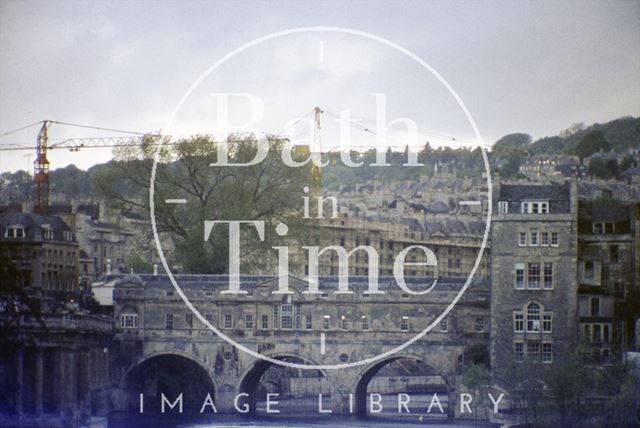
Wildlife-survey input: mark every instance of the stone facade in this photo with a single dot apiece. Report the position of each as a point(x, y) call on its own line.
point(533, 273)
point(152, 320)
point(43, 250)
point(607, 271)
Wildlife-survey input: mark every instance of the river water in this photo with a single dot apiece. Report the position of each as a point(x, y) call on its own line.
point(295, 413)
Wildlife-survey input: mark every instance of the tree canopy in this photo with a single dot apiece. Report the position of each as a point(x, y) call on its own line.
point(268, 191)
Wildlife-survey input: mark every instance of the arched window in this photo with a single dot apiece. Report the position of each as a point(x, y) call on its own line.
point(533, 317)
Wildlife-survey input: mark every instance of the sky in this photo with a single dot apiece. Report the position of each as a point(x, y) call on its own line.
point(526, 66)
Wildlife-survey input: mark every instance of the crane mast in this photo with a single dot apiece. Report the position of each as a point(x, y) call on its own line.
point(41, 172)
point(41, 182)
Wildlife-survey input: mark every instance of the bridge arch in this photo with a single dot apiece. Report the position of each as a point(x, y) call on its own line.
point(366, 375)
point(169, 373)
point(250, 378)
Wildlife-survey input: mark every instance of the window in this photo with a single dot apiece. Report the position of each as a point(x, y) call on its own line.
point(298, 316)
point(533, 350)
point(587, 332)
point(168, 322)
point(518, 322)
point(503, 207)
point(534, 275)
point(228, 322)
point(365, 323)
point(276, 315)
point(589, 271)
point(519, 276)
point(544, 207)
point(265, 322)
point(599, 333)
point(188, 320)
point(248, 322)
point(598, 228)
point(522, 239)
point(479, 324)
point(594, 308)
point(129, 320)
point(518, 351)
point(547, 353)
point(544, 239)
point(614, 254)
point(533, 318)
point(326, 322)
point(404, 324)
point(287, 316)
point(47, 231)
point(14, 232)
point(68, 236)
point(444, 325)
point(343, 322)
point(308, 322)
point(534, 238)
point(534, 207)
point(555, 239)
point(546, 323)
point(209, 317)
point(548, 275)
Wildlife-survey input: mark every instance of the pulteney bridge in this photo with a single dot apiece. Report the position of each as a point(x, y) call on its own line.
point(160, 346)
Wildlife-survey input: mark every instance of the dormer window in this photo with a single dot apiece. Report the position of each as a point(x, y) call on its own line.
point(534, 207)
point(14, 232)
point(68, 236)
point(47, 231)
point(503, 207)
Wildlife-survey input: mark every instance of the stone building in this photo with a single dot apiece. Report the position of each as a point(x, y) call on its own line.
point(455, 243)
point(607, 270)
point(105, 243)
point(534, 297)
point(44, 251)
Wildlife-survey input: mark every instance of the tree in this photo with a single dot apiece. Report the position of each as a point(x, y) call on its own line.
point(602, 168)
point(568, 381)
point(572, 130)
point(15, 187)
point(477, 379)
point(590, 143)
point(477, 353)
point(268, 191)
point(627, 162)
point(512, 144)
point(524, 383)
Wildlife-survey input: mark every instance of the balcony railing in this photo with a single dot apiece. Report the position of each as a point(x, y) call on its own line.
point(70, 322)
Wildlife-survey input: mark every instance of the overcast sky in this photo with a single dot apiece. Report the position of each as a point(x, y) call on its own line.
point(534, 67)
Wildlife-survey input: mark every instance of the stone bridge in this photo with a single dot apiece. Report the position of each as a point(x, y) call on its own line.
point(160, 346)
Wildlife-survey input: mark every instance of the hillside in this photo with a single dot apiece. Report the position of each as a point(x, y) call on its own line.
point(507, 154)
